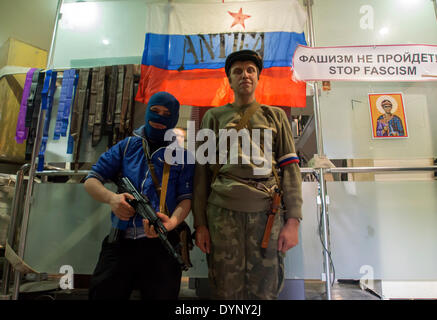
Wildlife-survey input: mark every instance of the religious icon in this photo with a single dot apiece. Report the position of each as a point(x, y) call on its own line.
point(326, 85)
point(388, 115)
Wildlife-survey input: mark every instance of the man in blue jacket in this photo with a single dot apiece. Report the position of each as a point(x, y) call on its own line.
point(138, 259)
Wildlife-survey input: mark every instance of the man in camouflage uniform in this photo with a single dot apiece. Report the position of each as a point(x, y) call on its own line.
point(231, 203)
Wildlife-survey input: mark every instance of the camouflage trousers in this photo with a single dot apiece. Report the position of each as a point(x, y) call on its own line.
point(236, 267)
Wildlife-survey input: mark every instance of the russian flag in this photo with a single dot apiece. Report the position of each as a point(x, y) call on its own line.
point(186, 47)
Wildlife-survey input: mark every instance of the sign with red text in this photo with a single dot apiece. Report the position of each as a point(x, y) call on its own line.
point(366, 63)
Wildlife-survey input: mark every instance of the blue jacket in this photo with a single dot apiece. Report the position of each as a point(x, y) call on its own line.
point(127, 157)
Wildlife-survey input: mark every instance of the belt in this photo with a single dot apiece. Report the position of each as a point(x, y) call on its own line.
point(134, 233)
point(21, 132)
point(47, 104)
point(112, 99)
point(32, 112)
point(68, 85)
point(255, 183)
point(70, 141)
point(80, 104)
point(100, 105)
point(93, 100)
point(126, 104)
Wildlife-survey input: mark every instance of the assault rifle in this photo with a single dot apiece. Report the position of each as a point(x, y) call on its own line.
point(141, 204)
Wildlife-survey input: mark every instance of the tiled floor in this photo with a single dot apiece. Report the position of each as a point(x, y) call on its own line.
point(341, 290)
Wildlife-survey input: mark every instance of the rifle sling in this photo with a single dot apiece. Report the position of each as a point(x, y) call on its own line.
point(165, 177)
point(161, 190)
point(241, 124)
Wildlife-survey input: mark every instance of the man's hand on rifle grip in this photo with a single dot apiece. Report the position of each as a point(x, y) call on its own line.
point(168, 223)
point(149, 230)
point(120, 207)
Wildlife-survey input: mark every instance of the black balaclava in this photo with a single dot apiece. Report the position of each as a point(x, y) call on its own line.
point(163, 99)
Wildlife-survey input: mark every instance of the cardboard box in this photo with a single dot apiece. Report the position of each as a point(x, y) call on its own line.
point(15, 53)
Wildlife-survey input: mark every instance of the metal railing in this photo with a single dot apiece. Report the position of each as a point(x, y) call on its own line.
point(18, 195)
point(369, 169)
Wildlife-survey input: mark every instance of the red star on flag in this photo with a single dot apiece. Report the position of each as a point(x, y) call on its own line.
point(239, 18)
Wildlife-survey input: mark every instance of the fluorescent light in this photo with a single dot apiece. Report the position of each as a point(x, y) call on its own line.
point(384, 31)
